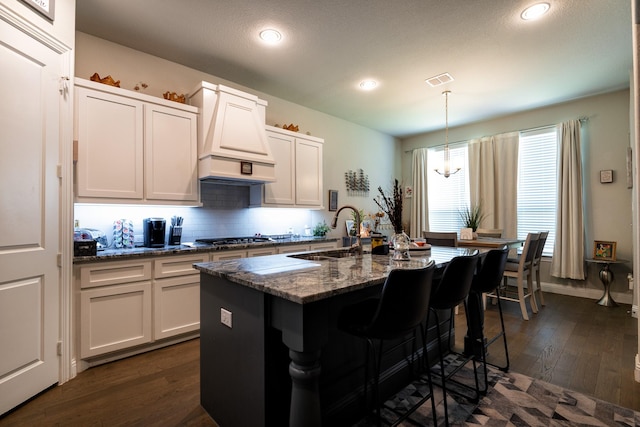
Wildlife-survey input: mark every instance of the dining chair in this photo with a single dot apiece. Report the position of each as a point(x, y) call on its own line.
point(489, 232)
point(536, 265)
point(521, 268)
point(437, 238)
point(487, 279)
point(452, 290)
point(401, 308)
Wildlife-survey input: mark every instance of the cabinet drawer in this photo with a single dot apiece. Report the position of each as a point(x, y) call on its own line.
point(114, 273)
point(114, 318)
point(324, 246)
point(224, 255)
point(261, 252)
point(176, 304)
point(173, 266)
point(289, 249)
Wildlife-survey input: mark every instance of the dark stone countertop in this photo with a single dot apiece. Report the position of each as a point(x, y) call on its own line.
point(139, 252)
point(305, 281)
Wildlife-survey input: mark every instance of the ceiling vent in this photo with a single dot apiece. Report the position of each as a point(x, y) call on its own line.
point(440, 79)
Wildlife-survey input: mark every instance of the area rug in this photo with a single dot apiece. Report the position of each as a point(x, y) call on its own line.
point(512, 399)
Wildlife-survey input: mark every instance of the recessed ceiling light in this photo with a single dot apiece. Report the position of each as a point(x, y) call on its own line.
point(535, 11)
point(270, 36)
point(368, 84)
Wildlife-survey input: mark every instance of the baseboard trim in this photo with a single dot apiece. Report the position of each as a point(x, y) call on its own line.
point(596, 294)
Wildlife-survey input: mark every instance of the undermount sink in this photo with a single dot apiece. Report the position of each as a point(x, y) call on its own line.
point(319, 256)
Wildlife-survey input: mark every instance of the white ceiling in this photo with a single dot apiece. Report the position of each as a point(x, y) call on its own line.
point(500, 63)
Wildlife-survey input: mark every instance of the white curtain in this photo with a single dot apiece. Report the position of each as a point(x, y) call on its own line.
point(419, 205)
point(493, 164)
point(568, 250)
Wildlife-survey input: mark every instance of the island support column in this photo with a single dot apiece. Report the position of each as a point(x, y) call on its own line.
point(304, 332)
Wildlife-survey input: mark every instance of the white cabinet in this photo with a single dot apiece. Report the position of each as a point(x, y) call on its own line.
point(176, 295)
point(298, 171)
point(124, 304)
point(133, 147)
point(115, 306)
point(324, 246)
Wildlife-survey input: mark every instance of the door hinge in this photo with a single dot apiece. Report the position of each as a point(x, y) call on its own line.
point(59, 348)
point(59, 171)
point(59, 260)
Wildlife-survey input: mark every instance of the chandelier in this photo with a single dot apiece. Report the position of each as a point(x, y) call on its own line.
point(447, 163)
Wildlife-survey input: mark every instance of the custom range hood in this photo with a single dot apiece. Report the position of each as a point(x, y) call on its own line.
point(232, 142)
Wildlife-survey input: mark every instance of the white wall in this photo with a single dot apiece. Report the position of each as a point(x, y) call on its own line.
point(347, 146)
point(605, 141)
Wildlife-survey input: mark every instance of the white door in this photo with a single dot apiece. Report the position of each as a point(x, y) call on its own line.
point(29, 215)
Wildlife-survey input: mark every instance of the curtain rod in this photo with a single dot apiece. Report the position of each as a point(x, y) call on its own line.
point(581, 119)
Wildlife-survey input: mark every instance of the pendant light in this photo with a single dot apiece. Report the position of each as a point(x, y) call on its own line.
point(447, 164)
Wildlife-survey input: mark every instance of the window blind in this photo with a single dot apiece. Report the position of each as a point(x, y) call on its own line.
point(537, 183)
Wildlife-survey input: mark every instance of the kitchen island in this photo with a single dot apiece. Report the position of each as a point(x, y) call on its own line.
point(271, 353)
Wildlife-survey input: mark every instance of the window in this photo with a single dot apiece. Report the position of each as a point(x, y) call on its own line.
point(537, 183)
point(536, 194)
point(447, 196)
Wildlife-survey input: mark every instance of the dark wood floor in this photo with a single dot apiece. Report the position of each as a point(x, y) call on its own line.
point(571, 342)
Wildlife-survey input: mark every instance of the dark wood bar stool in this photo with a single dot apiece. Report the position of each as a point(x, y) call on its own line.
point(402, 307)
point(452, 290)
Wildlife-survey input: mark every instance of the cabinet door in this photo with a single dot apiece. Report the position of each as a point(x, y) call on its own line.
point(281, 192)
point(110, 145)
point(170, 154)
point(114, 318)
point(176, 306)
point(308, 173)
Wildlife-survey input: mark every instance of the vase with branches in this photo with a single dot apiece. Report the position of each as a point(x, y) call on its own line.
point(391, 205)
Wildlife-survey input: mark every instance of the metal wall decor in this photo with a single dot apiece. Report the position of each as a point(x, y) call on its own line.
point(357, 183)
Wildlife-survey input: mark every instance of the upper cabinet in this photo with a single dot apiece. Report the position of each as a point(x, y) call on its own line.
point(298, 171)
point(134, 148)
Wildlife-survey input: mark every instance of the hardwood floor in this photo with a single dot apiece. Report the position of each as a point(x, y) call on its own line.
point(572, 342)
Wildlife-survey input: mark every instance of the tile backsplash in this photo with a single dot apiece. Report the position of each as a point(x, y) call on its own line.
point(225, 213)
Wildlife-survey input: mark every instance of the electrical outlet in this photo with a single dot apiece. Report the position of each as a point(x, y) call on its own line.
point(225, 317)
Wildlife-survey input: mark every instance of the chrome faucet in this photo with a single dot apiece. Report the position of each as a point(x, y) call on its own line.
point(357, 247)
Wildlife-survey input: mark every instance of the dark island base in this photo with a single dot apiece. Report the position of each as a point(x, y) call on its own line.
point(247, 370)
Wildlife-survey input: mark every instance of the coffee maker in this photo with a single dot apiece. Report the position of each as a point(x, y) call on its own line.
point(154, 232)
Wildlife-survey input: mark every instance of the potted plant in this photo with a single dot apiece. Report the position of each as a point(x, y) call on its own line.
point(321, 229)
point(472, 216)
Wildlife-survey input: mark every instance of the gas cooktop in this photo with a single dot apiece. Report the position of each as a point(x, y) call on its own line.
point(234, 240)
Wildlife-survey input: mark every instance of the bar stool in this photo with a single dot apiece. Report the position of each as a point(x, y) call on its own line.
point(487, 280)
point(453, 290)
point(402, 307)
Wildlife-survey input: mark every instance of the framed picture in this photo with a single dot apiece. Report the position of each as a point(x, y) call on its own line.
point(350, 224)
point(605, 251)
point(333, 200)
point(46, 8)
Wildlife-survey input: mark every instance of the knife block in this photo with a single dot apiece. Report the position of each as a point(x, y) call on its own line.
point(175, 234)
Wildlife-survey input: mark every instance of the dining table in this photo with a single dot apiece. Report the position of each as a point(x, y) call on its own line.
point(490, 243)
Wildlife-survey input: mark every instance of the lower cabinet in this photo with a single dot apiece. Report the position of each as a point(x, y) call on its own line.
point(124, 304)
point(114, 318)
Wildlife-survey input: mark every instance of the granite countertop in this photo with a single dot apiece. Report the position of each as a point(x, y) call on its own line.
point(305, 281)
point(186, 249)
